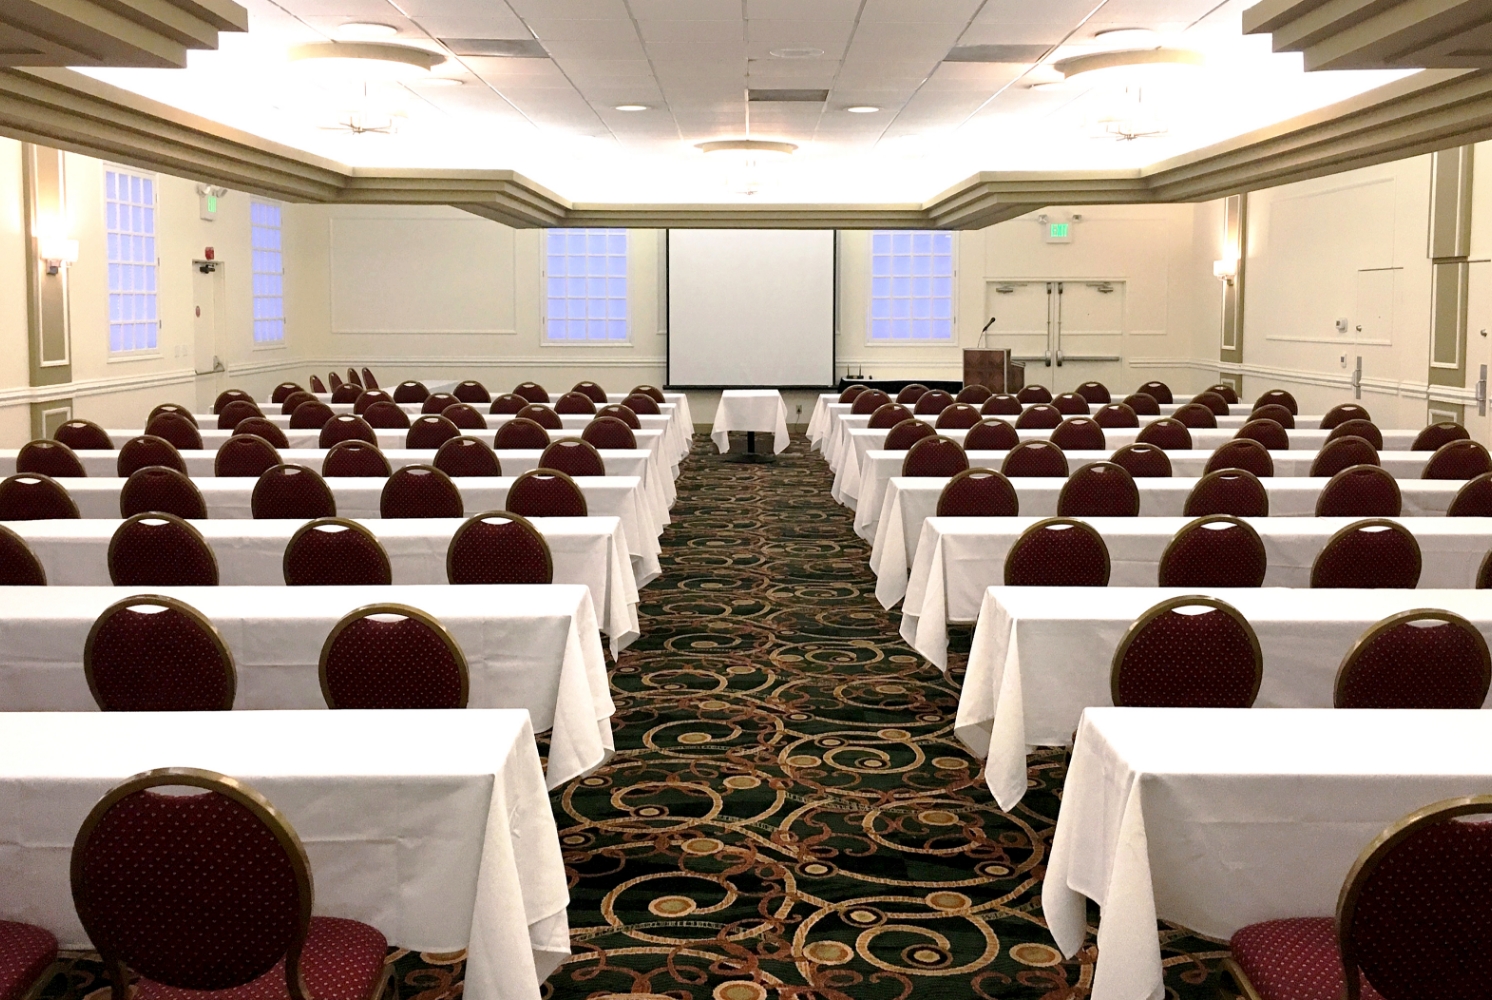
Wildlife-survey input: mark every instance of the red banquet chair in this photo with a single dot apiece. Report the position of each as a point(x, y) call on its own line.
point(317, 386)
point(282, 390)
point(1158, 391)
point(1079, 434)
point(546, 493)
point(1070, 403)
point(146, 450)
point(1214, 402)
point(1474, 499)
point(386, 415)
point(176, 428)
point(1343, 453)
point(183, 412)
point(1423, 659)
point(49, 458)
point(345, 427)
point(1223, 389)
point(1214, 551)
point(1357, 428)
point(507, 403)
point(1228, 491)
point(346, 393)
point(543, 416)
point(597, 395)
point(575, 402)
point(907, 433)
point(1143, 461)
point(499, 547)
point(1034, 394)
point(436, 402)
point(1095, 392)
point(159, 489)
point(368, 398)
point(1166, 433)
point(991, 434)
point(1267, 432)
point(531, 391)
point(1458, 460)
point(1035, 459)
point(868, 401)
point(29, 496)
point(263, 427)
point(355, 460)
point(934, 457)
point(352, 378)
point(1058, 552)
point(1278, 397)
point(83, 435)
point(978, 493)
point(888, 416)
point(157, 654)
point(909, 394)
point(429, 431)
point(465, 457)
point(623, 413)
point(521, 434)
point(610, 433)
point(411, 391)
point(1343, 412)
point(312, 415)
point(1241, 453)
point(391, 656)
point(651, 391)
point(420, 491)
point(235, 412)
point(290, 403)
point(1276, 412)
point(641, 403)
point(1116, 415)
point(1143, 404)
point(1371, 554)
point(851, 393)
point(369, 382)
point(1039, 416)
point(1431, 438)
point(211, 891)
point(466, 417)
point(160, 550)
point(1001, 404)
point(335, 552)
point(19, 567)
point(332, 379)
point(573, 457)
point(1360, 491)
point(1171, 659)
point(293, 492)
point(232, 396)
point(472, 391)
point(1099, 489)
point(974, 395)
point(932, 401)
point(1195, 415)
point(958, 416)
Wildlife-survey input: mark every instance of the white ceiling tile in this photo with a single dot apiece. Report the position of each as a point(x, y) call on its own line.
point(597, 50)
point(691, 31)
point(946, 11)
point(685, 10)
point(703, 55)
point(799, 10)
point(1065, 14)
point(1012, 33)
point(578, 29)
point(561, 9)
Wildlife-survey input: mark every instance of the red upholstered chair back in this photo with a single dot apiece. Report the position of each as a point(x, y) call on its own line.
point(316, 385)
point(420, 491)
point(1360, 491)
point(1188, 652)
point(934, 457)
point(546, 493)
point(202, 891)
point(369, 382)
point(392, 656)
point(1214, 551)
point(991, 434)
point(1039, 416)
point(147, 450)
point(531, 391)
point(49, 458)
point(346, 427)
point(29, 496)
point(543, 416)
point(311, 416)
point(932, 401)
point(1458, 460)
point(907, 433)
point(888, 415)
point(160, 550)
point(157, 654)
point(1277, 397)
point(1034, 394)
point(851, 393)
point(624, 413)
point(1099, 489)
point(231, 395)
point(1371, 554)
point(1343, 453)
point(1242, 453)
point(282, 390)
point(465, 457)
point(1228, 491)
point(499, 547)
point(176, 408)
point(1359, 429)
point(1416, 659)
point(436, 402)
point(1223, 389)
point(1474, 499)
point(974, 395)
point(868, 401)
point(157, 488)
point(1143, 403)
point(430, 431)
point(19, 566)
point(609, 432)
point(465, 416)
point(1035, 459)
point(368, 398)
point(352, 378)
point(1002, 404)
point(1070, 403)
point(978, 493)
point(386, 415)
point(652, 391)
point(472, 391)
point(1432, 438)
point(176, 428)
point(83, 435)
point(1079, 434)
point(520, 434)
point(1267, 432)
point(335, 552)
point(640, 403)
point(355, 460)
point(289, 492)
point(411, 391)
point(1095, 392)
point(289, 403)
point(1164, 432)
point(575, 402)
point(244, 456)
point(346, 393)
point(959, 416)
point(1058, 552)
point(909, 394)
point(1217, 404)
point(1158, 391)
point(1143, 461)
point(573, 457)
point(265, 428)
point(235, 412)
point(597, 395)
point(1116, 415)
point(334, 380)
point(1276, 412)
point(507, 403)
point(1343, 412)
point(1195, 415)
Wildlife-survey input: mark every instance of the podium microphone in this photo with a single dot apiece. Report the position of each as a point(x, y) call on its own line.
point(985, 329)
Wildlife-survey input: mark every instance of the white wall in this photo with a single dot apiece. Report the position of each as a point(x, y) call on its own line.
point(15, 414)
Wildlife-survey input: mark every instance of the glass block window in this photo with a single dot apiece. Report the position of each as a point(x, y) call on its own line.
point(269, 273)
point(911, 286)
point(586, 270)
point(129, 224)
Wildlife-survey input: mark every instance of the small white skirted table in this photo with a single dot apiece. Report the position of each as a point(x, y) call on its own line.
point(754, 411)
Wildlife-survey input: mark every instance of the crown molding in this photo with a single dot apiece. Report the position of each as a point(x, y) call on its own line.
point(151, 33)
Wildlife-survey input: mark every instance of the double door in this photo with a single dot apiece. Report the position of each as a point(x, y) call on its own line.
point(1066, 331)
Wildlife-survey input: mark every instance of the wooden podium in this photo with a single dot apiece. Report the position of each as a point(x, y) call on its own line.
point(994, 370)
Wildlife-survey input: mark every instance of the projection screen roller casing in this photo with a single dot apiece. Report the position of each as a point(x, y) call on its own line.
point(750, 307)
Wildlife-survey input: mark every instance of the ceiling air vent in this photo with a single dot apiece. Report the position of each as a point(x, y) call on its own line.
point(504, 48)
point(997, 53)
point(789, 96)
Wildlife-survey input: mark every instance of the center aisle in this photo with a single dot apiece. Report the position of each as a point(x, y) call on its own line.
point(789, 813)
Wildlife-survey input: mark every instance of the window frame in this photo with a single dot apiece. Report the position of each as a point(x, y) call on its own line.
point(545, 340)
point(952, 339)
point(153, 179)
point(254, 272)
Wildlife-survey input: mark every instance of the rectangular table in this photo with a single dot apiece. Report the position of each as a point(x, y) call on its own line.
point(535, 648)
point(1043, 654)
point(442, 843)
point(590, 551)
point(758, 410)
point(1216, 819)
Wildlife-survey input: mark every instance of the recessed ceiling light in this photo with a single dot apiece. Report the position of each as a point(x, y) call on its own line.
point(362, 31)
point(804, 52)
point(863, 109)
point(632, 107)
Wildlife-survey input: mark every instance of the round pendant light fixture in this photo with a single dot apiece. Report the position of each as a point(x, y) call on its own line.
point(368, 60)
point(749, 146)
point(1127, 61)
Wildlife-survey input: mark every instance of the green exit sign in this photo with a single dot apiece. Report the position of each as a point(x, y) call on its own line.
point(1060, 230)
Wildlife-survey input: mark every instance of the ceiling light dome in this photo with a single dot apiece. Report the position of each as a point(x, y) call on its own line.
point(749, 146)
point(364, 31)
point(799, 52)
point(368, 60)
point(1128, 62)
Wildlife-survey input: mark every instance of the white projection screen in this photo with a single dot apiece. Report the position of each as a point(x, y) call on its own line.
point(750, 307)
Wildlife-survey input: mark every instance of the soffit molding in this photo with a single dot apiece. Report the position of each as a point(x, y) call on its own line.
point(147, 33)
point(1378, 34)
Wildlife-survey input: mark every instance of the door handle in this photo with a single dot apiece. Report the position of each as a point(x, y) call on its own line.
point(1481, 393)
point(1059, 359)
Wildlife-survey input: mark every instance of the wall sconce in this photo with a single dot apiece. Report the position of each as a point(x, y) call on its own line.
point(1226, 269)
point(57, 251)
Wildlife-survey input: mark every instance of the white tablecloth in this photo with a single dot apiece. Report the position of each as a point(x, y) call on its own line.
point(760, 410)
point(535, 648)
point(443, 841)
point(1218, 819)
point(590, 551)
point(1043, 654)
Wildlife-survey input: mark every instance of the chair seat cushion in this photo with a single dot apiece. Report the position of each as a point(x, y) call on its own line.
point(342, 960)
point(1295, 959)
point(25, 953)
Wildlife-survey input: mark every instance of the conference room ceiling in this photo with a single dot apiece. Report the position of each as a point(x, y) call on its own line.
point(960, 86)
